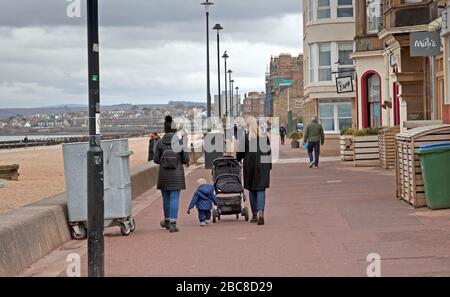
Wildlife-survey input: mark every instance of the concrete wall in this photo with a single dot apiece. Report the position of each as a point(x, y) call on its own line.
point(29, 233)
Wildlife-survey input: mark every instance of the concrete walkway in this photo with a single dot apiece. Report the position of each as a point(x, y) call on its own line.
point(320, 222)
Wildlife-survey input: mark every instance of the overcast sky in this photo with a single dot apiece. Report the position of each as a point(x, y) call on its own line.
point(152, 51)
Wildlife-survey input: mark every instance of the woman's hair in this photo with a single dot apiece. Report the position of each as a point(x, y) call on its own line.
point(253, 128)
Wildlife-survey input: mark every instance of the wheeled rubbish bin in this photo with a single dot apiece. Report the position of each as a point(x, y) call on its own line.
point(435, 163)
point(117, 186)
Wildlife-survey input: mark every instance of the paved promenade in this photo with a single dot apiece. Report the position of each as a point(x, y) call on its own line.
point(319, 222)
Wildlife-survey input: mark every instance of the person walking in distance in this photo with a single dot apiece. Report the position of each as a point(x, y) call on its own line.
point(171, 179)
point(283, 135)
point(314, 137)
point(256, 155)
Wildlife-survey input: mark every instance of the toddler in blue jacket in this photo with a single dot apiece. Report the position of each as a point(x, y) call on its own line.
point(204, 198)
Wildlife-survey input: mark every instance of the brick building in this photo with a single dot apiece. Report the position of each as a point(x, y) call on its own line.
point(283, 70)
point(253, 104)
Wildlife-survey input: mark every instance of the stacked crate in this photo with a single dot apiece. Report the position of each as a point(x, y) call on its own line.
point(346, 148)
point(410, 186)
point(387, 146)
point(366, 151)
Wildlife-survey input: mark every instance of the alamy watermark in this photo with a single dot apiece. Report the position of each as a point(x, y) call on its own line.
point(73, 9)
point(229, 136)
point(374, 267)
point(74, 267)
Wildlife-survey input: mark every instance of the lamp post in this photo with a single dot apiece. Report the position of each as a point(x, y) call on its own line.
point(207, 4)
point(225, 57)
point(233, 111)
point(231, 88)
point(218, 28)
point(238, 102)
point(95, 190)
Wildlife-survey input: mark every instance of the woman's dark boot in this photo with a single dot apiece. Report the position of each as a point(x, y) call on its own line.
point(261, 217)
point(173, 227)
point(254, 219)
point(164, 224)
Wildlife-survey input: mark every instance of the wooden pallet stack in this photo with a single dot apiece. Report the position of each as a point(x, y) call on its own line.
point(366, 151)
point(387, 146)
point(410, 186)
point(346, 148)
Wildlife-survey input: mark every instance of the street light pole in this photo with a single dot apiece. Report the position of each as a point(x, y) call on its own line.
point(239, 102)
point(218, 28)
point(95, 190)
point(207, 4)
point(225, 57)
point(233, 111)
point(231, 89)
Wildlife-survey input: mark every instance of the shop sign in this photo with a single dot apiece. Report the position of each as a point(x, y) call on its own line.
point(425, 44)
point(344, 84)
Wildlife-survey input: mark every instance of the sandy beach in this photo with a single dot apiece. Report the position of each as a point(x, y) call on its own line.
point(42, 172)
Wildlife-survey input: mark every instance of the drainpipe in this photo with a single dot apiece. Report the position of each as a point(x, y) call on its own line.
point(433, 87)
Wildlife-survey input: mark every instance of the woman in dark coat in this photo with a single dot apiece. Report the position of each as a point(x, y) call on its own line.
point(257, 167)
point(170, 180)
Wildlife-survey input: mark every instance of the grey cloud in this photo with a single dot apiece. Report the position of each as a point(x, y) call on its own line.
point(151, 51)
point(141, 12)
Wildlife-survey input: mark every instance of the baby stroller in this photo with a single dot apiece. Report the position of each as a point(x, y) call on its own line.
point(229, 190)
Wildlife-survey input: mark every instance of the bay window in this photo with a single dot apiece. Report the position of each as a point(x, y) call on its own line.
point(374, 16)
point(335, 116)
point(345, 68)
point(310, 10)
point(312, 58)
point(325, 62)
point(328, 58)
point(323, 9)
point(344, 8)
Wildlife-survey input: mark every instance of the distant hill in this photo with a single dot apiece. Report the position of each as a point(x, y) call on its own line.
point(10, 112)
point(187, 104)
point(50, 110)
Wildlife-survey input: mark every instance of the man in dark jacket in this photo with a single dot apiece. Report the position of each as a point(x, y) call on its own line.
point(171, 180)
point(154, 137)
point(314, 137)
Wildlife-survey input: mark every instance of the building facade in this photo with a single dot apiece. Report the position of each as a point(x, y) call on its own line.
point(253, 105)
point(415, 84)
point(372, 91)
point(329, 32)
point(283, 70)
point(287, 106)
point(396, 85)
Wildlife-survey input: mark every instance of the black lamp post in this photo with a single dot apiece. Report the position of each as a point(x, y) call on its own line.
point(225, 57)
point(207, 4)
point(95, 190)
point(231, 89)
point(233, 111)
point(239, 102)
point(218, 28)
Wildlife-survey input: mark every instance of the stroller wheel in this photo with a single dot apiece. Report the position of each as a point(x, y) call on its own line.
point(246, 214)
point(214, 215)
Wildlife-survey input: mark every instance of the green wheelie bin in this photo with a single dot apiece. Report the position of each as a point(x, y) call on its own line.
point(435, 163)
